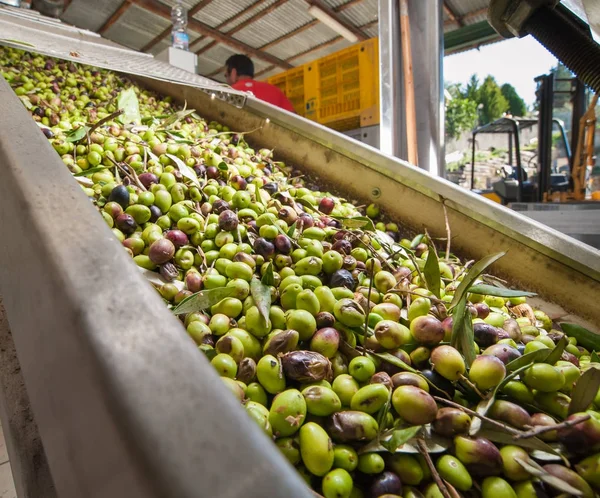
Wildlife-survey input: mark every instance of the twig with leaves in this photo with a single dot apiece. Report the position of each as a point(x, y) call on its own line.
point(448, 231)
point(548, 428)
point(131, 175)
point(434, 473)
point(108, 118)
point(473, 413)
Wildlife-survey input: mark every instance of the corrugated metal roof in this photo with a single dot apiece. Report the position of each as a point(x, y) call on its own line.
point(283, 30)
point(90, 15)
point(464, 7)
point(361, 13)
point(136, 27)
point(291, 15)
point(217, 12)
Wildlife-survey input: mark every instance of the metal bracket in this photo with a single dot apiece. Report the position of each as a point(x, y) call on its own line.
point(508, 17)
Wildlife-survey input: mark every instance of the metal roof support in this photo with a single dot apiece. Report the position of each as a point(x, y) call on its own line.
point(427, 49)
point(245, 23)
point(234, 17)
point(115, 16)
point(163, 10)
point(333, 14)
point(452, 15)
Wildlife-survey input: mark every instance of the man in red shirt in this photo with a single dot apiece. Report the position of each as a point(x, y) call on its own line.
point(240, 75)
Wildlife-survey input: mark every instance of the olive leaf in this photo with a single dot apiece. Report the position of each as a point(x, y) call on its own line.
point(292, 230)
point(492, 290)
point(177, 116)
point(400, 437)
point(473, 274)
point(585, 390)
point(417, 240)
point(463, 336)
point(261, 294)
point(502, 437)
point(354, 222)
point(397, 362)
point(268, 278)
point(431, 272)
point(185, 170)
point(127, 101)
point(202, 300)
point(544, 456)
point(557, 351)
point(528, 359)
point(383, 411)
point(585, 337)
point(538, 471)
point(90, 171)
point(158, 280)
point(26, 102)
point(594, 358)
point(77, 134)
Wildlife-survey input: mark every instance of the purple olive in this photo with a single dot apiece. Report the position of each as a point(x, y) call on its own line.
point(342, 246)
point(161, 251)
point(148, 179)
point(178, 238)
point(125, 223)
point(283, 244)
point(219, 206)
point(263, 247)
point(228, 220)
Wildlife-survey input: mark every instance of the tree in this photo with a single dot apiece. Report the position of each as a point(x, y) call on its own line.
point(516, 105)
point(461, 112)
point(490, 96)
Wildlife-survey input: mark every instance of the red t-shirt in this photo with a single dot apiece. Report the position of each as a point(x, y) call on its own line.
point(265, 91)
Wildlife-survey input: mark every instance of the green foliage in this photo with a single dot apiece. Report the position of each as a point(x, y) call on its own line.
point(461, 112)
point(494, 103)
point(516, 105)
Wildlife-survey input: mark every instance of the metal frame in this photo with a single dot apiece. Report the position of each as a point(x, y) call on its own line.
point(126, 405)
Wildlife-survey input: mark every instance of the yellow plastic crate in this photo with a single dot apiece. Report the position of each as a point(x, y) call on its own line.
point(342, 89)
point(291, 83)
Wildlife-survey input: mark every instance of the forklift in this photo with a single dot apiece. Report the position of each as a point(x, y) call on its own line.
point(554, 195)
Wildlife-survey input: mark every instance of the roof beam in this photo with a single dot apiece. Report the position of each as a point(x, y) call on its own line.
point(164, 11)
point(466, 17)
point(115, 16)
point(242, 25)
point(451, 14)
point(164, 33)
point(302, 28)
point(253, 5)
point(333, 14)
point(317, 47)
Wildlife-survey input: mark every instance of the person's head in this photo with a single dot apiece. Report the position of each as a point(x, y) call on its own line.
point(238, 66)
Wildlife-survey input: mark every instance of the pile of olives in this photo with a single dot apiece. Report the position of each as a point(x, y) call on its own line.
point(322, 323)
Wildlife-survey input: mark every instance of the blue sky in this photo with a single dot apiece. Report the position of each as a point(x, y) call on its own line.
point(514, 61)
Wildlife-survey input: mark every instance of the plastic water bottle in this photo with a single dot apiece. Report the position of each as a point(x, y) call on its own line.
point(179, 36)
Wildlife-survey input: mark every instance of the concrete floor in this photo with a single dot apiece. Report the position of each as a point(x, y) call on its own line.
point(7, 485)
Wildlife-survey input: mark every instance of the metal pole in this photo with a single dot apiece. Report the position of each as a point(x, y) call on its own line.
point(473, 163)
point(392, 129)
point(426, 24)
point(520, 177)
point(427, 51)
